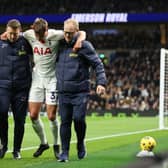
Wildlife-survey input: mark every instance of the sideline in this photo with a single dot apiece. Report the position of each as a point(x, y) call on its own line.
point(99, 138)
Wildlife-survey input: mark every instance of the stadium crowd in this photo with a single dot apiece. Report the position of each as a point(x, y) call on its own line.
point(133, 82)
point(66, 6)
point(132, 70)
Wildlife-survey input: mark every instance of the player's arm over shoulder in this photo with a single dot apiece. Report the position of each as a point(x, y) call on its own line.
point(81, 36)
point(55, 34)
point(29, 34)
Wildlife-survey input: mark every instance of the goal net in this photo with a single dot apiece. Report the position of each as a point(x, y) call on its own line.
point(163, 100)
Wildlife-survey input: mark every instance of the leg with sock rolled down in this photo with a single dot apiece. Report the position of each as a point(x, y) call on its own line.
point(54, 125)
point(38, 127)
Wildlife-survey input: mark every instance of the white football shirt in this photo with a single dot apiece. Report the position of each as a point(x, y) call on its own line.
point(44, 53)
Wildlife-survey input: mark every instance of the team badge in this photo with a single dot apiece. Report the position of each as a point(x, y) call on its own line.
point(22, 51)
point(73, 55)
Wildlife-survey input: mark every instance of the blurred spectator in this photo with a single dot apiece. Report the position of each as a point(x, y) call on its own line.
point(133, 82)
point(79, 6)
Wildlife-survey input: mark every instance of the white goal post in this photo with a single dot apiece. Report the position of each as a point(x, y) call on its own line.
point(163, 98)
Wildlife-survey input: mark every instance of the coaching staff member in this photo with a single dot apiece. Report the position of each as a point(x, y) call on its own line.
point(15, 80)
point(72, 71)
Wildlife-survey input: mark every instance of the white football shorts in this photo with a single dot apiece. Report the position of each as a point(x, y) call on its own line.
point(43, 90)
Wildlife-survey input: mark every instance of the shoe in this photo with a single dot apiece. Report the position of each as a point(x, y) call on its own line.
point(63, 157)
point(2, 152)
point(40, 150)
point(82, 154)
point(56, 149)
point(81, 151)
point(16, 155)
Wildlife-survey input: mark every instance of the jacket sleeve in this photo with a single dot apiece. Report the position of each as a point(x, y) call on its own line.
point(94, 61)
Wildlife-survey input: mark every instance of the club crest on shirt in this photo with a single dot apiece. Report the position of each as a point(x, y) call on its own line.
point(73, 55)
point(22, 51)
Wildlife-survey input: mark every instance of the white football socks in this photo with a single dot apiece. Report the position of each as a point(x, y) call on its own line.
point(38, 127)
point(54, 125)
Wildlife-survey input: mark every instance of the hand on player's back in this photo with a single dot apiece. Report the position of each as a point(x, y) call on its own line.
point(100, 90)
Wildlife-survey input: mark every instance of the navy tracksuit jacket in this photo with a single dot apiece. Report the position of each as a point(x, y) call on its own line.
point(15, 81)
point(73, 85)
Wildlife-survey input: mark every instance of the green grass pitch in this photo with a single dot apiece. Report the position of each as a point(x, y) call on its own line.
point(111, 142)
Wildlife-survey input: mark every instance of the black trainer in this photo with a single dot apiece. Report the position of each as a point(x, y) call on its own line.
point(81, 151)
point(56, 149)
point(82, 154)
point(63, 157)
point(16, 155)
point(2, 152)
point(40, 150)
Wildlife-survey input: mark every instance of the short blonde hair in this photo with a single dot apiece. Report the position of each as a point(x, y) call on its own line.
point(74, 22)
point(14, 24)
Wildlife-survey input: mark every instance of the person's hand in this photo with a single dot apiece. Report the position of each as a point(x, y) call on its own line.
point(100, 90)
point(4, 36)
point(77, 46)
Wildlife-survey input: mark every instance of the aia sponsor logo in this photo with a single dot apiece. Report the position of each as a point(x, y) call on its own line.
point(42, 51)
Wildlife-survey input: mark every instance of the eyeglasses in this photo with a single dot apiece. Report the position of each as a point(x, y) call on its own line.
point(68, 33)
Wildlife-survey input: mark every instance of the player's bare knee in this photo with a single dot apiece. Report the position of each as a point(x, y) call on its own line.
point(33, 116)
point(52, 117)
point(51, 113)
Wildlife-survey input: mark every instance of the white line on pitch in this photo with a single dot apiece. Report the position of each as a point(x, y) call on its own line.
point(102, 137)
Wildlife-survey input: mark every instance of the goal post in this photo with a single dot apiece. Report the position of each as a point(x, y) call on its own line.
point(163, 98)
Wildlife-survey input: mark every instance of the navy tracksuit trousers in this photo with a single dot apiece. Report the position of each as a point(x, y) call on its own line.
point(72, 107)
point(17, 99)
